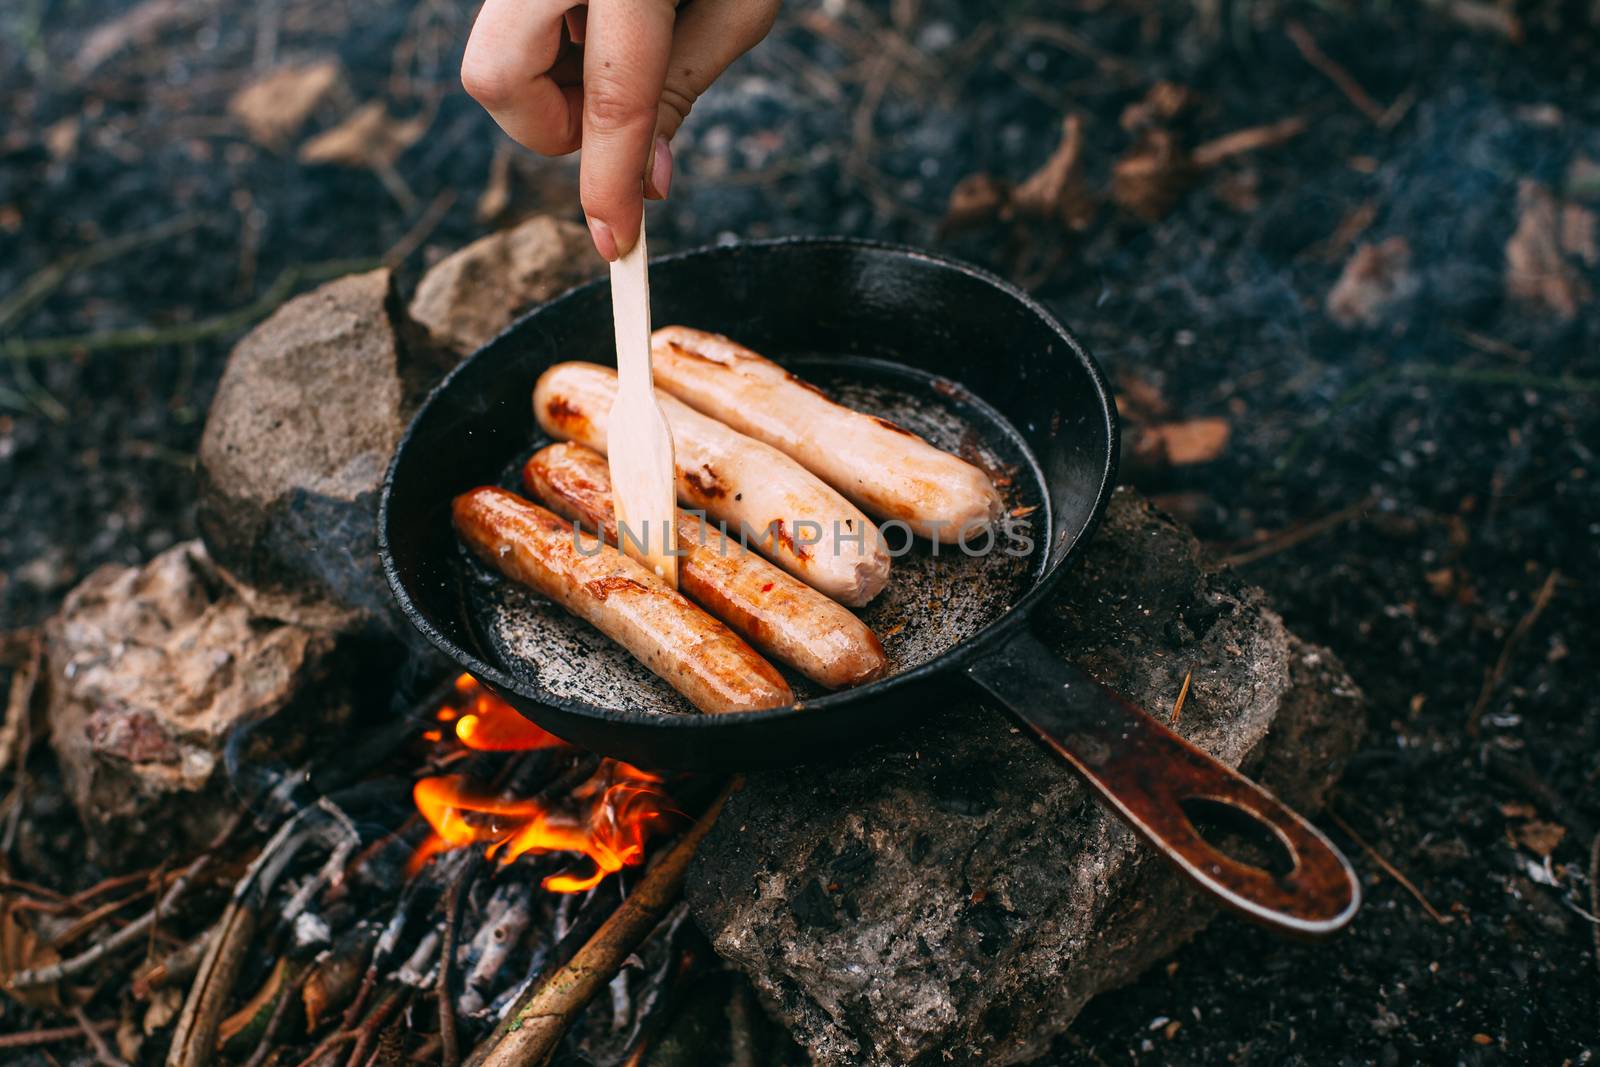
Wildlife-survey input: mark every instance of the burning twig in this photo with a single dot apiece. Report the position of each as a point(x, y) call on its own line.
point(1391, 870)
point(1493, 677)
point(538, 1021)
point(1330, 69)
point(131, 933)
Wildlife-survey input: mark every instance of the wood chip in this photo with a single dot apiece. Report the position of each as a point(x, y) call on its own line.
point(1183, 443)
point(1150, 177)
point(1164, 102)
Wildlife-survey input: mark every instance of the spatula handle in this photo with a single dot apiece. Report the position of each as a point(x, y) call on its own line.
point(1147, 774)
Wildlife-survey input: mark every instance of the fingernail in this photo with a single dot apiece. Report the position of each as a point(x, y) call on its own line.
point(661, 169)
point(605, 242)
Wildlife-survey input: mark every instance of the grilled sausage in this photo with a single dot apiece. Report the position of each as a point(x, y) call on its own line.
point(781, 616)
point(694, 653)
point(778, 507)
point(886, 469)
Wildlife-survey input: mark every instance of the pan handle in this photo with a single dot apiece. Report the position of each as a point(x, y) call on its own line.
point(1147, 774)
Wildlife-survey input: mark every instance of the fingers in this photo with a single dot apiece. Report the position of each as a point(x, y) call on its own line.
point(624, 68)
point(708, 37)
point(507, 68)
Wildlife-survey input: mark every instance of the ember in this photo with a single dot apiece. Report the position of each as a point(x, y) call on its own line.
point(608, 818)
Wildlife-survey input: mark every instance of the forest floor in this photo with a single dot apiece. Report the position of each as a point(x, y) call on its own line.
point(1411, 474)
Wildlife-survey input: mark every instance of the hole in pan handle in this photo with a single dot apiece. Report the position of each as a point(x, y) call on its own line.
point(1146, 773)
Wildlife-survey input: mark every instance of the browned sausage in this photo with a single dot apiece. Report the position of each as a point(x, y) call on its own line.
point(781, 509)
point(694, 653)
point(886, 469)
point(783, 617)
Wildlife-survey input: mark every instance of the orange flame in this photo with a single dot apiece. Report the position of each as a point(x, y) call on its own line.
point(608, 818)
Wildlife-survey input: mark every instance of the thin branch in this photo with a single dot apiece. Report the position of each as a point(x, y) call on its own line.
point(1497, 673)
point(1391, 870)
point(1342, 79)
point(187, 333)
point(1299, 534)
point(131, 933)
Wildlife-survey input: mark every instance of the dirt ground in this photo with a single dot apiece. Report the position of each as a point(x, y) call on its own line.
point(1409, 470)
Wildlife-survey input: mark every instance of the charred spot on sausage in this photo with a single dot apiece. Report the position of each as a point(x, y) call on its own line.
point(601, 588)
point(706, 482)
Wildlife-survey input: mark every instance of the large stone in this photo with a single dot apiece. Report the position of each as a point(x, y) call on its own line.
point(956, 895)
point(474, 293)
point(153, 673)
point(305, 420)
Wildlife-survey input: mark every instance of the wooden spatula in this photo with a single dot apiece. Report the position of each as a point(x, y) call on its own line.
point(638, 440)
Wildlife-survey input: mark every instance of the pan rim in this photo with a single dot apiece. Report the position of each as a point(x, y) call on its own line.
point(952, 659)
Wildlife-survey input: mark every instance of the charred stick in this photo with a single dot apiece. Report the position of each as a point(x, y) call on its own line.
point(131, 933)
point(508, 915)
point(537, 1024)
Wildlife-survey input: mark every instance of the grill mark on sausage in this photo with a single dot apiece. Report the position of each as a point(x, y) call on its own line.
point(776, 528)
point(896, 427)
point(802, 383)
point(705, 481)
point(692, 354)
point(601, 588)
point(564, 412)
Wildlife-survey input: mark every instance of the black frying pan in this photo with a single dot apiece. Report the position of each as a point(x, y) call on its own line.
point(965, 359)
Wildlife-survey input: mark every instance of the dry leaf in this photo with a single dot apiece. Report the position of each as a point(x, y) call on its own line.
point(369, 137)
point(21, 949)
point(274, 107)
point(1180, 444)
point(976, 200)
point(1056, 191)
point(1374, 281)
point(1577, 234)
point(1537, 268)
point(1539, 837)
point(1140, 399)
point(1151, 175)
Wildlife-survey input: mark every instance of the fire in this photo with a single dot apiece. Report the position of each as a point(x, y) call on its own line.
point(608, 818)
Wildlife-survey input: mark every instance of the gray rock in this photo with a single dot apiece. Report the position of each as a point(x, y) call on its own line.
point(152, 673)
point(306, 417)
point(474, 293)
point(956, 895)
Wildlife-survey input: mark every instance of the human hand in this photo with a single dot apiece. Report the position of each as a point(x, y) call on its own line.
point(617, 77)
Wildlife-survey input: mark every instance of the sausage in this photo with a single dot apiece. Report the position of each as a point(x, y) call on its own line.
point(886, 469)
point(777, 506)
point(781, 616)
point(694, 653)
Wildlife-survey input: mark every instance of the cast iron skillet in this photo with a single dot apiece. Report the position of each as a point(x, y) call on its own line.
point(954, 353)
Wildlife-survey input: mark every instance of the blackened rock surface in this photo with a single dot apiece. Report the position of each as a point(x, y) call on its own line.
point(153, 672)
point(474, 293)
point(305, 420)
point(956, 896)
